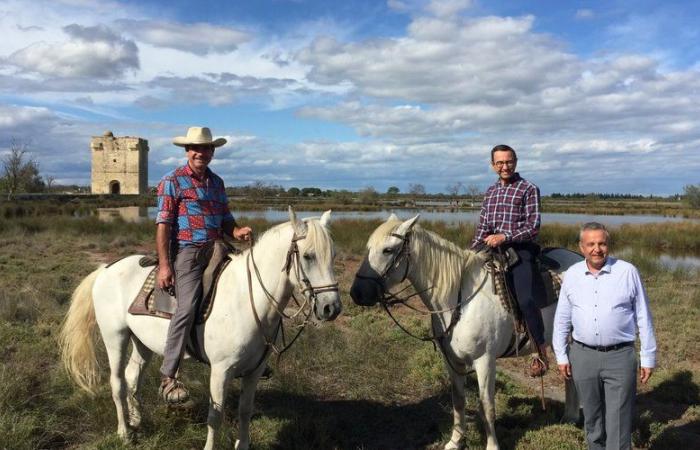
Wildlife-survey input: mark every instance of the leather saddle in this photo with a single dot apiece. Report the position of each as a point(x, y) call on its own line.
point(153, 301)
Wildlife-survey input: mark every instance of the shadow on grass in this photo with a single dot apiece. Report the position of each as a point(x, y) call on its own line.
point(351, 424)
point(310, 423)
point(667, 402)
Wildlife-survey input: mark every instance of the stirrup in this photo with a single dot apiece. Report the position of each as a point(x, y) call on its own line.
point(538, 367)
point(173, 391)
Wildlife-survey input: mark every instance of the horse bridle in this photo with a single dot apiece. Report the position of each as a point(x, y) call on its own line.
point(313, 291)
point(292, 255)
point(403, 253)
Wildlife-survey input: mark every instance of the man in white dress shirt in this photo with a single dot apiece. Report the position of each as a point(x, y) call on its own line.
point(602, 305)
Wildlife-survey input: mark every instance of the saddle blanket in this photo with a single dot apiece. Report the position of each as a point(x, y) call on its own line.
point(153, 301)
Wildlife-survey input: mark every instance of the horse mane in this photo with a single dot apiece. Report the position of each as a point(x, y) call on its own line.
point(439, 260)
point(317, 237)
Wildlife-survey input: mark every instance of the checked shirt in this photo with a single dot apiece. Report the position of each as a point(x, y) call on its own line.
point(195, 208)
point(512, 209)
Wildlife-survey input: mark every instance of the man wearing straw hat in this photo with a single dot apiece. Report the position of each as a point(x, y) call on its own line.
point(192, 210)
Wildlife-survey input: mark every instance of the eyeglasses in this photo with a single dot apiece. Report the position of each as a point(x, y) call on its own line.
point(509, 163)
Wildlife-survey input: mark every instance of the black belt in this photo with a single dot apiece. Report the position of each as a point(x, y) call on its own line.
point(606, 348)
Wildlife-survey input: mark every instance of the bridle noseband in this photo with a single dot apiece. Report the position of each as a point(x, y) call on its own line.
point(403, 253)
point(294, 255)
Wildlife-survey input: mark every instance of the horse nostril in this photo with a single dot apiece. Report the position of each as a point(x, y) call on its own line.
point(327, 311)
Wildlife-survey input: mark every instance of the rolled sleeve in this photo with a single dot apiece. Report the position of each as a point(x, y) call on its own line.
point(167, 204)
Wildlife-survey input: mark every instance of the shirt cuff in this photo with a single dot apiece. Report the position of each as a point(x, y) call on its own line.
point(647, 361)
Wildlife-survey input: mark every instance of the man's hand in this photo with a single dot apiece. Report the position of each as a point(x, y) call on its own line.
point(242, 233)
point(495, 240)
point(644, 374)
point(565, 371)
point(165, 276)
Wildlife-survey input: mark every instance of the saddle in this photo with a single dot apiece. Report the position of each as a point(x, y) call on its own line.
point(551, 263)
point(153, 301)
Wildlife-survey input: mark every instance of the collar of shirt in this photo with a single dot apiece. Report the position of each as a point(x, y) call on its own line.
point(514, 179)
point(607, 267)
point(191, 173)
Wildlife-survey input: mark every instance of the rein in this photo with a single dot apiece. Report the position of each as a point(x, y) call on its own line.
point(390, 299)
point(308, 291)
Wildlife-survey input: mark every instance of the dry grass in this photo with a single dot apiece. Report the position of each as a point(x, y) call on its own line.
point(356, 383)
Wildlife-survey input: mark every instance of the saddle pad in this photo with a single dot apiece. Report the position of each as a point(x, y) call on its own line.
point(153, 301)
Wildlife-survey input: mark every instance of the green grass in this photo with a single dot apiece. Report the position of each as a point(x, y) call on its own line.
point(357, 383)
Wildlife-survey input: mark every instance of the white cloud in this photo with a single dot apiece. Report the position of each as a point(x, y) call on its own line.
point(93, 52)
point(198, 38)
point(584, 14)
point(447, 8)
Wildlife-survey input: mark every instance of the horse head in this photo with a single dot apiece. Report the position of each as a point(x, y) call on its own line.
point(314, 273)
point(386, 263)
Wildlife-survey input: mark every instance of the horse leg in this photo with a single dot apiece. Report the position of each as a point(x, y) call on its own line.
point(486, 376)
point(116, 342)
point(458, 410)
point(572, 407)
point(218, 384)
point(245, 406)
point(140, 356)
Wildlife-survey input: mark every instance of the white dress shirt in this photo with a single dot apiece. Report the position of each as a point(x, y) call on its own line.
point(605, 308)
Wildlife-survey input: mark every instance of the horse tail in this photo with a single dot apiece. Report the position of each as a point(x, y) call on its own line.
point(77, 337)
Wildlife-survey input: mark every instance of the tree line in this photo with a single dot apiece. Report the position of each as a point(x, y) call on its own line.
point(20, 174)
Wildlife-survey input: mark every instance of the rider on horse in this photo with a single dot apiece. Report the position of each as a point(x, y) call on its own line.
point(510, 218)
point(192, 211)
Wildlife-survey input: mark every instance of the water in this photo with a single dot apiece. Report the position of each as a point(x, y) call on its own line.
point(450, 217)
point(137, 214)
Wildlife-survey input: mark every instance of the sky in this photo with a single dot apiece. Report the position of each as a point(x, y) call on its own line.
point(595, 96)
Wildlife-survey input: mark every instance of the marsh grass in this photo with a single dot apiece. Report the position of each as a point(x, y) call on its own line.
point(358, 383)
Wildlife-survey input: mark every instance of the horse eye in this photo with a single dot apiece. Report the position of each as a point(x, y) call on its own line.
point(388, 251)
point(309, 256)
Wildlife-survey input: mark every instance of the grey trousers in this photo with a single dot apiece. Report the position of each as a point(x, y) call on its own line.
point(188, 289)
point(607, 385)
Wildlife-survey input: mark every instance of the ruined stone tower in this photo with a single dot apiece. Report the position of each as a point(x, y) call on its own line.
point(119, 165)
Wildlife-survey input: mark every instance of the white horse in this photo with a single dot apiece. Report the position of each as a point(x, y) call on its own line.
point(233, 339)
point(440, 271)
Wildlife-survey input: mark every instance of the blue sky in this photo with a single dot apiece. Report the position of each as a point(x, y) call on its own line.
point(596, 96)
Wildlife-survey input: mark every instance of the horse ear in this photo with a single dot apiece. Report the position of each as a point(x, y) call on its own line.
point(298, 225)
point(326, 219)
point(407, 225)
point(392, 217)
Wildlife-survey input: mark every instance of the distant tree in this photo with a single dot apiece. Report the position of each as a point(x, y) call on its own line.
point(454, 188)
point(416, 189)
point(393, 190)
point(20, 172)
point(50, 180)
point(473, 191)
point(295, 191)
point(692, 194)
point(368, 195)
point(311, 192)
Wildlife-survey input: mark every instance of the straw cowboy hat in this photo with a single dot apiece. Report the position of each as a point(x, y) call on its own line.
point(198, 136)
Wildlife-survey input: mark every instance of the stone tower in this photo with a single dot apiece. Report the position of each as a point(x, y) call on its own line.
point(119, 165)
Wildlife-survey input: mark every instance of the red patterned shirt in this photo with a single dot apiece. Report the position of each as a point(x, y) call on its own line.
point(512, 209)
point(196, 208)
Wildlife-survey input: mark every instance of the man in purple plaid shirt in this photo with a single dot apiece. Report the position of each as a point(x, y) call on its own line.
point(510, 218)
